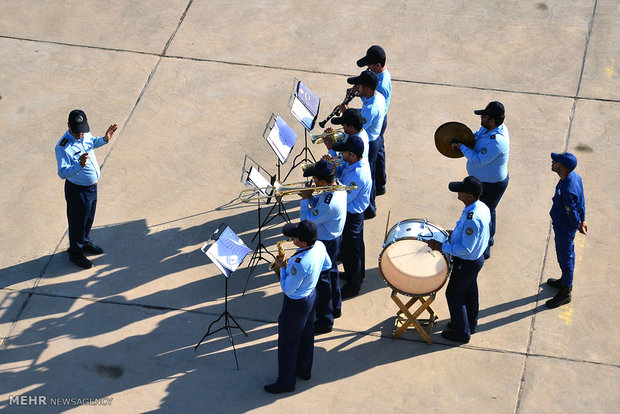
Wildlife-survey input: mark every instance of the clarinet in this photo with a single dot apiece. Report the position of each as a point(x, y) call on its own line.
point(336, 111)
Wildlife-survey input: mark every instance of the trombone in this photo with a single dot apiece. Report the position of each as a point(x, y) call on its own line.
point(334, 135)
point(279, 190)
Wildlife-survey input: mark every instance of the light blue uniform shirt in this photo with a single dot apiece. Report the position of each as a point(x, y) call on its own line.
point(68, 152)
point(356, 174)
point(384, 86)
point(373, 110)
point(302, 272)
point(488, 161)
point(328, 211)
point(470, 236)
point(364, 136)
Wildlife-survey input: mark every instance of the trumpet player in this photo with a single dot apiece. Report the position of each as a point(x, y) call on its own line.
point(352, 124)
point(328, 211)
point(352, 250)
point(373, 110)
point(298, 278)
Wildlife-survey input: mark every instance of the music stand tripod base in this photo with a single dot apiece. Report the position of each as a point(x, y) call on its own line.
point(411, 321)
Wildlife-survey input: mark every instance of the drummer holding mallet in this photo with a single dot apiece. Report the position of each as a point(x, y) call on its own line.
point(466, 244)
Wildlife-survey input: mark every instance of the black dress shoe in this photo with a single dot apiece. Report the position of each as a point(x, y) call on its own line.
point(453, 328)
point(337, 314)
point(305, 377)
point(80, 260)
point(92, 248)
point(554, 283)
point(278, 388)
point(453, 336)
point(562, 298)
point(321, 329)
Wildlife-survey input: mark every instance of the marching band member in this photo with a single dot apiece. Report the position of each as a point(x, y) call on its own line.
point(298, 280)
point(568, 214)
point(328, 211)
point(375, 62)
point(352, 124)
point(373, 110)
point(352, 250)
point(488, 161)
point(466, 244)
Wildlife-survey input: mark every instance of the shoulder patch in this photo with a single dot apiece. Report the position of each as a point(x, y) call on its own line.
point(328, 198)
point(492, 136)
point(469, 231)
point(63, 142)
point(298, 260)
point(352, 184)
point(484, 150)
point(470, 215)
point(315, 212)
point(293, 270)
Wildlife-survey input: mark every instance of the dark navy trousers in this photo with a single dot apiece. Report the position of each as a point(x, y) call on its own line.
point(81, 207)
point(491, 194)
point(352, 251)
point(296, 338)
point(462, 295)
point(328, 299)
point(373, 153)
point(380, 176)
point(565, 251)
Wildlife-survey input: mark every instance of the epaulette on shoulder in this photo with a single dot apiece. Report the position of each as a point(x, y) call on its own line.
point(63, 142)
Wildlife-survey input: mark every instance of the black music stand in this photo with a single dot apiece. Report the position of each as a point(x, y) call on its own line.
point(281, 139)
point(304, 105)
point(215, 253)
point(263, 188)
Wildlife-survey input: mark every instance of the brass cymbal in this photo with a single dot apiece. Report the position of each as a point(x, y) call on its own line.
point(453, 131)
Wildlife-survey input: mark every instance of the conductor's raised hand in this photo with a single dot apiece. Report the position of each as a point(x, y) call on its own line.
point(111, 130)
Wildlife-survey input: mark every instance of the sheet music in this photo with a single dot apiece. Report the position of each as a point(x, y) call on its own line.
point(227, 252)
point(282, 139)
point(303, 115)
point(259, 181)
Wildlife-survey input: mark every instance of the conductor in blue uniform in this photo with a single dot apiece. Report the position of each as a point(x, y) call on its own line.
point(298, 280)
point(77, 165)
point(467, 243)
point(568, 215)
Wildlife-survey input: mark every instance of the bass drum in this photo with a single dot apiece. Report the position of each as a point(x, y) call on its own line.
point(406, 262)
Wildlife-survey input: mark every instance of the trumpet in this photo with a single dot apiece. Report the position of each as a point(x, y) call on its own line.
point(336, 161)
point(280, 190)
point(274, 267)
point(334, 135)
point(351, 93)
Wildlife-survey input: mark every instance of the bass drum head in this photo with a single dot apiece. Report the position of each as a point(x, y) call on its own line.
point(412, 268)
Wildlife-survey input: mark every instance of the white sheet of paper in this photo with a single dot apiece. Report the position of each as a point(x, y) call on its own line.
point(303, 115)
point(227, 252)
point(258, 180)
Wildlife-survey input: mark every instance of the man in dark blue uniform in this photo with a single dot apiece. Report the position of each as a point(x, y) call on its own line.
point(466, 244)
point(568, 215)
point(77, 165)
point(298, 278)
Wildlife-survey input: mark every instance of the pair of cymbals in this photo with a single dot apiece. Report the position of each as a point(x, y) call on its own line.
point(452, 132)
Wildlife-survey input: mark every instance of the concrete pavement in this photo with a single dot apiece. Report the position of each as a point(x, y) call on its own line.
point(191, 84)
